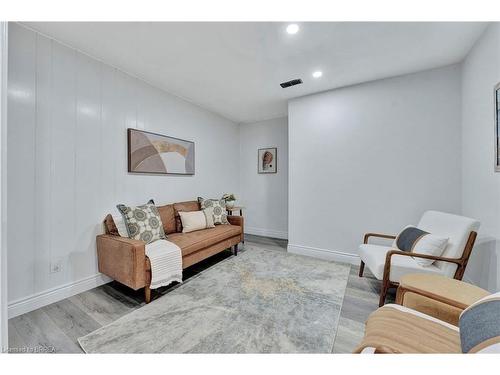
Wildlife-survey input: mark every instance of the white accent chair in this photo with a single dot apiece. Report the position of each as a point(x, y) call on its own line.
point(389, 264)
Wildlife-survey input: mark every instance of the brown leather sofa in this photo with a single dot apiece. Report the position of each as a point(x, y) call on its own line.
point(124, 259)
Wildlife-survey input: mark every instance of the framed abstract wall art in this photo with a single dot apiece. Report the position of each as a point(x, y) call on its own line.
point(267, 160)
point(497, 127)
point(159, 154)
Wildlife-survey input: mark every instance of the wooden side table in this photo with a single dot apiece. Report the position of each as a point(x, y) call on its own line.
point(235, 209)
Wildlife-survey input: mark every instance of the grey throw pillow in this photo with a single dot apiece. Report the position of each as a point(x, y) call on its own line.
point(143, 222)
point(408, 238)
point(480, 326)
point(219, 207)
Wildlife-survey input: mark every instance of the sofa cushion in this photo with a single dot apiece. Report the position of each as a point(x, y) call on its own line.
point(194, 241)
point(186, 207)
point(167, 215)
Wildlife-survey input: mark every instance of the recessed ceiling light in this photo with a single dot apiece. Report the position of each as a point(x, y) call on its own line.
point(317, 74)
point(293, 28)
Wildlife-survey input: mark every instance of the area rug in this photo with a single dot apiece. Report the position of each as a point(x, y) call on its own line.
point(261, 301)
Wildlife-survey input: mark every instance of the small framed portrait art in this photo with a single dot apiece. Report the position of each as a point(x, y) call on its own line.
point(267, 160)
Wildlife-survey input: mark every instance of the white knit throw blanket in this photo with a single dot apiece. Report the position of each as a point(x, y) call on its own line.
point(166, 263)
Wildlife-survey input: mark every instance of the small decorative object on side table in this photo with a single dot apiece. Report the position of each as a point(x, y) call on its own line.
point(230, 198)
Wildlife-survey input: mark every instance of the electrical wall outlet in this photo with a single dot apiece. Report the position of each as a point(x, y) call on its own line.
point(56, 265)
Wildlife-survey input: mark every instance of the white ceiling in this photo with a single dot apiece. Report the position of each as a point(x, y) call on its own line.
point(234, 69)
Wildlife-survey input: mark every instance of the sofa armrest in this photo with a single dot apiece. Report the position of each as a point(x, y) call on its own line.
point(235, 220)
point(239, 221)
point(122, 259)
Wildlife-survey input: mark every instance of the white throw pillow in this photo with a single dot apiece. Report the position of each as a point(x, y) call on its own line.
point(429, 244)
point(194, 220)
point(120, 225)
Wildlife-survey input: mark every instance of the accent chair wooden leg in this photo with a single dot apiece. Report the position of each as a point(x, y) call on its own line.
point(235, 250)
point(383, 294)
point(361, 268)
point(147, 294)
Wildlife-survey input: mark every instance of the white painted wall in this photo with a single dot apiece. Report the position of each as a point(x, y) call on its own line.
point(480, 183)
point(68, 116)
point(372, 157)
point(265, 196)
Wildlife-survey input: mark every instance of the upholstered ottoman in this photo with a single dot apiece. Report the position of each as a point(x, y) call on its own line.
point(437, 296)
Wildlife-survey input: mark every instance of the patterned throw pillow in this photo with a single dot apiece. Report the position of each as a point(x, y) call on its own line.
point(219, 206)
point(209, 216)
point(143, 222)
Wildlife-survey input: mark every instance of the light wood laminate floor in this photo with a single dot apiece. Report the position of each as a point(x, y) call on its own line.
point(56, 327)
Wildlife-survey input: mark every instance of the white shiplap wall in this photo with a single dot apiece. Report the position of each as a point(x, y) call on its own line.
point(67, 161)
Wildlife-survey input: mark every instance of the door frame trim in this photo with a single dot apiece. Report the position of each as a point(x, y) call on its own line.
point(3, 187)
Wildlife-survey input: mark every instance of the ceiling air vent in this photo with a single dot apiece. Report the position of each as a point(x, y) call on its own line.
point(291, 83)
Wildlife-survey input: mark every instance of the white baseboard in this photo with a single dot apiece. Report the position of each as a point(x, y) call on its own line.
point(267, 232)
point(337, 256)
point(35, 301)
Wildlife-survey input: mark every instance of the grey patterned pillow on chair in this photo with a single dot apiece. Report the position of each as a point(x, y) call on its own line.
point(219, 206)
point(143, 222)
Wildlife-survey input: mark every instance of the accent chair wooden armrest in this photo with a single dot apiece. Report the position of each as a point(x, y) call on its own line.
point(379, 235)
